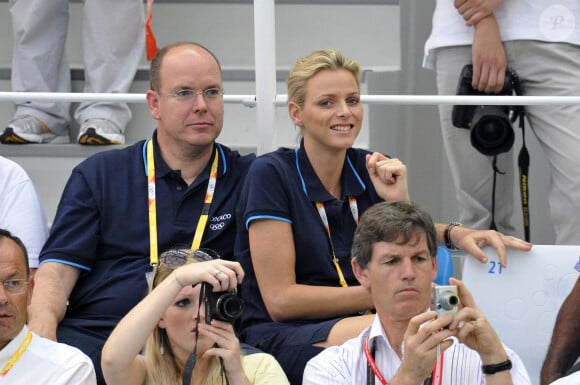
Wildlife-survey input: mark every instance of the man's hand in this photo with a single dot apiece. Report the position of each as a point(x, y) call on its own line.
point(472, 241)
point(474, 330)
point(488, 57)
point(420, 350)
point(473, 11)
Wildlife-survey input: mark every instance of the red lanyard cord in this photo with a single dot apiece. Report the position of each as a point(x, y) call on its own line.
point(373, 370)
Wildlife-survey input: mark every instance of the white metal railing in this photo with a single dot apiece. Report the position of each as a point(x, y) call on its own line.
point(265, 75)
point(247, 100)
point(280, 100)
point(460, 100)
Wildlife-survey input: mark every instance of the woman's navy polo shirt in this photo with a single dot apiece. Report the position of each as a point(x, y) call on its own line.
point(101, 227)
point(283, 186)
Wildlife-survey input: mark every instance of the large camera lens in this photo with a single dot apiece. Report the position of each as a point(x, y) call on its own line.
point(229, 307)
point(223, 306)
point(491, 130)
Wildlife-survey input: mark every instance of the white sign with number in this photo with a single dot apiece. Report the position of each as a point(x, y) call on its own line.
point(522, 300)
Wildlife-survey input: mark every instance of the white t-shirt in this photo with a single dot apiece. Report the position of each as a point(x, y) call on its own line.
point(21, 212)
point(543, 20)
point(46, 362)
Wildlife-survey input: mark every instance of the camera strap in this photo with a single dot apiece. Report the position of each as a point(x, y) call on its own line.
point(523, 162)
point(496, 171)
point(190, 363)
point(523, 167)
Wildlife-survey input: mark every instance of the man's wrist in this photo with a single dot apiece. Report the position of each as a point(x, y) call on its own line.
point(447, 235)
point(495, 356)
point(487, 20)
point(176, 278)
point(495, 368)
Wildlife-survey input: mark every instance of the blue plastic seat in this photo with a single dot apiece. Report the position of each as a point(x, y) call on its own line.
point(445, 266)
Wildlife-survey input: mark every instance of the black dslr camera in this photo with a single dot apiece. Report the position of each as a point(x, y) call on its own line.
point(490, 126)
point(224, 305)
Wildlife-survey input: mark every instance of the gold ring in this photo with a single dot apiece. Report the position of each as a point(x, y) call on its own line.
point(473, 323)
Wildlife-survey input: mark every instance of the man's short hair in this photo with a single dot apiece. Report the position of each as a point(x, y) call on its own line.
point(396, 222)
point(7, 234)
point(157, 61)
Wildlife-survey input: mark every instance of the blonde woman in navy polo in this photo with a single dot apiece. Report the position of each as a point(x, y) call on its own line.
point(298, 212)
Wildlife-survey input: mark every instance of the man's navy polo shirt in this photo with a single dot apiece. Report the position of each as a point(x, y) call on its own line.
point(102, 227)
point(283, 186)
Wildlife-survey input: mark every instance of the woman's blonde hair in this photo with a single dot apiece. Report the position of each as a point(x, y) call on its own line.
point(309, 65)
point(162, 366)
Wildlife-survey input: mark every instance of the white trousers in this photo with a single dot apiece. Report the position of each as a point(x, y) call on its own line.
point(544, 69)
point(113, 37)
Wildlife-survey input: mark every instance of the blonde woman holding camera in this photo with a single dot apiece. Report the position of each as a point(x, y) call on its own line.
point(170, 324)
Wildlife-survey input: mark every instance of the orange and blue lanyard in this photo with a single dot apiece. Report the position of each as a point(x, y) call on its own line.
point(202, 222)
point(17, 354)
point(323, 216)
point(373, 370)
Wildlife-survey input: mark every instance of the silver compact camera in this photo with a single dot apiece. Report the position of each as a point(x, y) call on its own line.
point(445, 300)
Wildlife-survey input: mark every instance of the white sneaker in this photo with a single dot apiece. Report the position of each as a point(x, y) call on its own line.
point(26, 129)
point(100, 132)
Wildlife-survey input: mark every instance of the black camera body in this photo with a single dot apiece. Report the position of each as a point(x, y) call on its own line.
point(490, 126)
point(224, 305)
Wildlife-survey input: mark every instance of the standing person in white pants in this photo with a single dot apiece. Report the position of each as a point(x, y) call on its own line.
point(113, 36)
point(540, 42)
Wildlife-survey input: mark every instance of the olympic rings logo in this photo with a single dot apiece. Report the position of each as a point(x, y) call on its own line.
point(219, 221)
point(217, 226)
